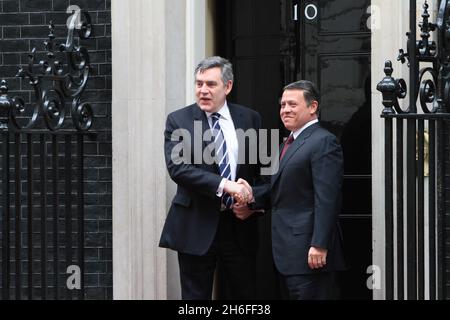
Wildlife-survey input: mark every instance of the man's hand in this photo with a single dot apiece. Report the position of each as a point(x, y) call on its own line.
point(242, 211)
point(317, 257)
point(249, 189)
point(239, 192)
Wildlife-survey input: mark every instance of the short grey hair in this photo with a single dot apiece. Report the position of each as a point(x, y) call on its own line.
point(216, 62)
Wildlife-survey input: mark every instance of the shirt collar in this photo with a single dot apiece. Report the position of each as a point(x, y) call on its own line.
point(224, 112)
point(308, 124)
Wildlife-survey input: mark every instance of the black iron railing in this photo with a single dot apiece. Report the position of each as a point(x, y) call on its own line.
point(418, 139)
point(42, 173)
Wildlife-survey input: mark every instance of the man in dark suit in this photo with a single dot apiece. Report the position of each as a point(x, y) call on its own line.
point(200, 224)
point(305, 199)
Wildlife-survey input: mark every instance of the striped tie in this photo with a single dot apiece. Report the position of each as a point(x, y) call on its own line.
point(221, 156)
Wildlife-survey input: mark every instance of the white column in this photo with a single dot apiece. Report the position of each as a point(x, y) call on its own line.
point(195, 42)
point(210, 41)
point(390, 22)
point(149, 81)
point(176, 77)
point(139, 176)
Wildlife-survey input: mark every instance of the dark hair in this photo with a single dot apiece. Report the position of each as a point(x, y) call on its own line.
point(214, 62)
point(310, 91)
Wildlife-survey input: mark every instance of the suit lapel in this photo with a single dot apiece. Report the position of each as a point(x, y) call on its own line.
point(239, 123)
point(237, 117)
point(200, 115)
point(298, 142)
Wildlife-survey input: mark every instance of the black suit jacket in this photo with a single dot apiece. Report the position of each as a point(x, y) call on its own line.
point(305, 198)
point(193, 217)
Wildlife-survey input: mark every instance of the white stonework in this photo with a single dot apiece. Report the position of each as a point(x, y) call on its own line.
point(387, 38)
point(138, 115)
point(155, 47)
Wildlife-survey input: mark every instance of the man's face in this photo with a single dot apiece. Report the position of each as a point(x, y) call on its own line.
point(294, 111)
point(210, 90)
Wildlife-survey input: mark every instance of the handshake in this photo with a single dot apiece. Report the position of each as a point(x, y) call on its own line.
point(242, 194)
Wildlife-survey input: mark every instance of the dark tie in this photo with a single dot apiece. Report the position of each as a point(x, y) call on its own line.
point(286, 145)
point(221, 156)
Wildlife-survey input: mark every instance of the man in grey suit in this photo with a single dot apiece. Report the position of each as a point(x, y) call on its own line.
point(305, 199)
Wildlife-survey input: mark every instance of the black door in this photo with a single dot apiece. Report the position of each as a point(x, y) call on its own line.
point(272, 43)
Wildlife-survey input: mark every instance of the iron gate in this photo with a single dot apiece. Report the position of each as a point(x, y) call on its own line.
point(42, 172)
point(415, 192)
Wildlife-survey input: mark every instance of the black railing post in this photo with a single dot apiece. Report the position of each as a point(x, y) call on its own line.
point(432, 207)
point(414, 63)
point(30, 213)
point(411, 158)
point(420, 210)
point(55, 216)
point(389, 213)
point(18, 219)
point(389, 88)
point(43, 231)
point(80, 189)
point(400, 212)
point(6, 253)
point(68, 205)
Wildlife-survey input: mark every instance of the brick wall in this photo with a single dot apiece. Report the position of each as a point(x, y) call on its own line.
point(24, 25)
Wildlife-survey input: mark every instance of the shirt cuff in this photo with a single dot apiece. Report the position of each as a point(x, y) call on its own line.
point(219, 191)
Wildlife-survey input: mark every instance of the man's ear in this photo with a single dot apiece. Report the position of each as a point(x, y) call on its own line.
point(313, 107)
point(228, 87)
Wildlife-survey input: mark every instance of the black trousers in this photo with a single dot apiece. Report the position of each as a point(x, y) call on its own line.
point(317, 286)
point(236, 269)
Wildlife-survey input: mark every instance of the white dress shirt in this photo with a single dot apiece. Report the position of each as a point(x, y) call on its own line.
point(308, 124)
point(229, 133)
